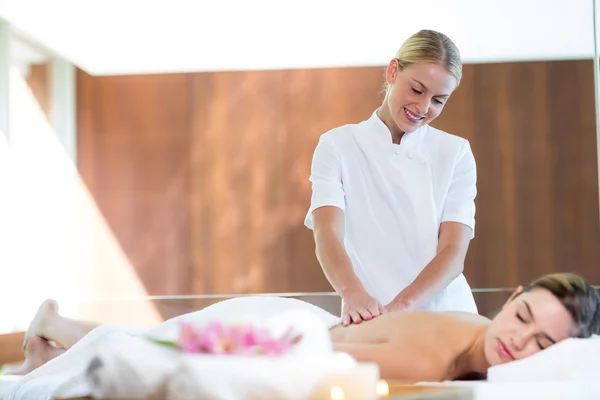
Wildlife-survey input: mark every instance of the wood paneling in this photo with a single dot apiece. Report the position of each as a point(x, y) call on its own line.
point(203, 178)
point(532, 129)
point(237, 182)
point(11, 348)
point(133, 144)
point(317, 100)
point(38, 80)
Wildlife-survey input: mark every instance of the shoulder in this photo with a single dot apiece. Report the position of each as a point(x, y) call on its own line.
point(339, 134)
point(434, 134)
point(446, 142)
point(337, 142)
point(451, 328)
point(424, 345)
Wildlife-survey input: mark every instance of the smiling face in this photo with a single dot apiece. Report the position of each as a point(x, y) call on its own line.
point(416, 94)
point(528, 323)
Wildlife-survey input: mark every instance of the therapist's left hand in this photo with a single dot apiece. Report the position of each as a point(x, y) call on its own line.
point(400, 303)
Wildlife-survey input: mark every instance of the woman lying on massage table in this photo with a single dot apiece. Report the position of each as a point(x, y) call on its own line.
point(413, 345)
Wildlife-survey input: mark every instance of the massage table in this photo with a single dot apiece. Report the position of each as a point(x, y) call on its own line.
point(399, 391)
point(405, 392)
point(487, 391)
point(409, 394)
point(473, 390)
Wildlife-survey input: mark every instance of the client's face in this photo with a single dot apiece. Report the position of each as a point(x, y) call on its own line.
point(528, 323)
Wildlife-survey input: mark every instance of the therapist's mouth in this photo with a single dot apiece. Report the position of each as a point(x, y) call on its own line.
point(411, 117)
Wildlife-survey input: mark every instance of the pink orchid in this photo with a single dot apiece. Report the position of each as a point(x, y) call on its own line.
point(246, 340)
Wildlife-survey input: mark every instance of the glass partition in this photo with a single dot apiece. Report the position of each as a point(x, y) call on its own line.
point(490, 302)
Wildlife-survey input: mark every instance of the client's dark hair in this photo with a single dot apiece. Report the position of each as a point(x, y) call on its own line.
point(579, 298)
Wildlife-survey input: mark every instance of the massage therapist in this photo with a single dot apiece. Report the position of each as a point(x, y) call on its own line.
point(392, 208)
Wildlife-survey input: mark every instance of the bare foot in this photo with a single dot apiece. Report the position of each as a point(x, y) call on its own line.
point(37, 353)
point(47, 309)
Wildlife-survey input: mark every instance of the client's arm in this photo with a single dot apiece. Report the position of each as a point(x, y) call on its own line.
point(397, 362)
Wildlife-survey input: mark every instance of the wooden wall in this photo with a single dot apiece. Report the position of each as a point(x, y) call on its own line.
point(532, 128)
point(11, 348)
point(203, 178)
point(38, 80)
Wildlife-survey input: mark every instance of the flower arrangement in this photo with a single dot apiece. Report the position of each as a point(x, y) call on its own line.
point(240, 339)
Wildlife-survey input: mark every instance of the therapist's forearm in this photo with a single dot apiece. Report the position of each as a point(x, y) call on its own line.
point(335, 262)
point(439, 273)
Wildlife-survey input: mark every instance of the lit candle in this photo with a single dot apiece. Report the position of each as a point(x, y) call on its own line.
point(337, 393)
point(358, 382)
point(382, 389)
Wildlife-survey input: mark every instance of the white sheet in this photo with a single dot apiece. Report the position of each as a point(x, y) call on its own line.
point(127, 361)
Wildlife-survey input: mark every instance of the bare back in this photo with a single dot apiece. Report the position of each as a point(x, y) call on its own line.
point(413, 345)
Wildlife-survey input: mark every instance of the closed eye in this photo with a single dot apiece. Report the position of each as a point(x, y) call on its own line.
point(540, 346)
point(416, 91)
point(438, 101)
point(523, 321)
point(544, 341)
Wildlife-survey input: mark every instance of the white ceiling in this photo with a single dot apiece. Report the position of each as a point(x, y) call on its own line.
point(107, 37)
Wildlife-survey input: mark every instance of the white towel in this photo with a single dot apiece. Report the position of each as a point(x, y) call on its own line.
point(6, 382)
point(112, 347)
point(264, 310)
point(568, 360)
point(290, 378)
point(139, 368)
point(64, 375)
point(130, 367)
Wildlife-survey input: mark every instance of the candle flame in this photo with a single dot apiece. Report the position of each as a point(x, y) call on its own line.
point(337, 393)
point(382, 389)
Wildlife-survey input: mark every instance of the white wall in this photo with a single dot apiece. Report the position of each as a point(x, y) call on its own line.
point(144, 36)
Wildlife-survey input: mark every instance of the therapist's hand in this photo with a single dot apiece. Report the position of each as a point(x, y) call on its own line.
point(359, 306)
point(400, 303)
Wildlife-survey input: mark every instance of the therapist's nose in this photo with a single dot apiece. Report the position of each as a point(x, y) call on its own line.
point(423, 107)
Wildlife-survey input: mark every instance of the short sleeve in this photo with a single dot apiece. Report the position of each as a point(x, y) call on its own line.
point(326, 178)
point(460, 200)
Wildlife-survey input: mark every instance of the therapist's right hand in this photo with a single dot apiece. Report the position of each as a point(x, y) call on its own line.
point(359, 306)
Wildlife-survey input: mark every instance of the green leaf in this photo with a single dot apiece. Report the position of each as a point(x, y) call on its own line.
point(168, 343)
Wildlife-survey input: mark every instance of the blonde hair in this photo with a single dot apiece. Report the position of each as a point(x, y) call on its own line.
point(434, 47)
point(579, 298)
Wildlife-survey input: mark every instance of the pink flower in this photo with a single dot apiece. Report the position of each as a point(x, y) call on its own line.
point(247, 340)
point(189, 340)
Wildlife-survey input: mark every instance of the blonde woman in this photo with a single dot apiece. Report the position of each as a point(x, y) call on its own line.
point(392, 208)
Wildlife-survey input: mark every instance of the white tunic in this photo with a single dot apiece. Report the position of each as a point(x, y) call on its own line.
point(394, 198)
